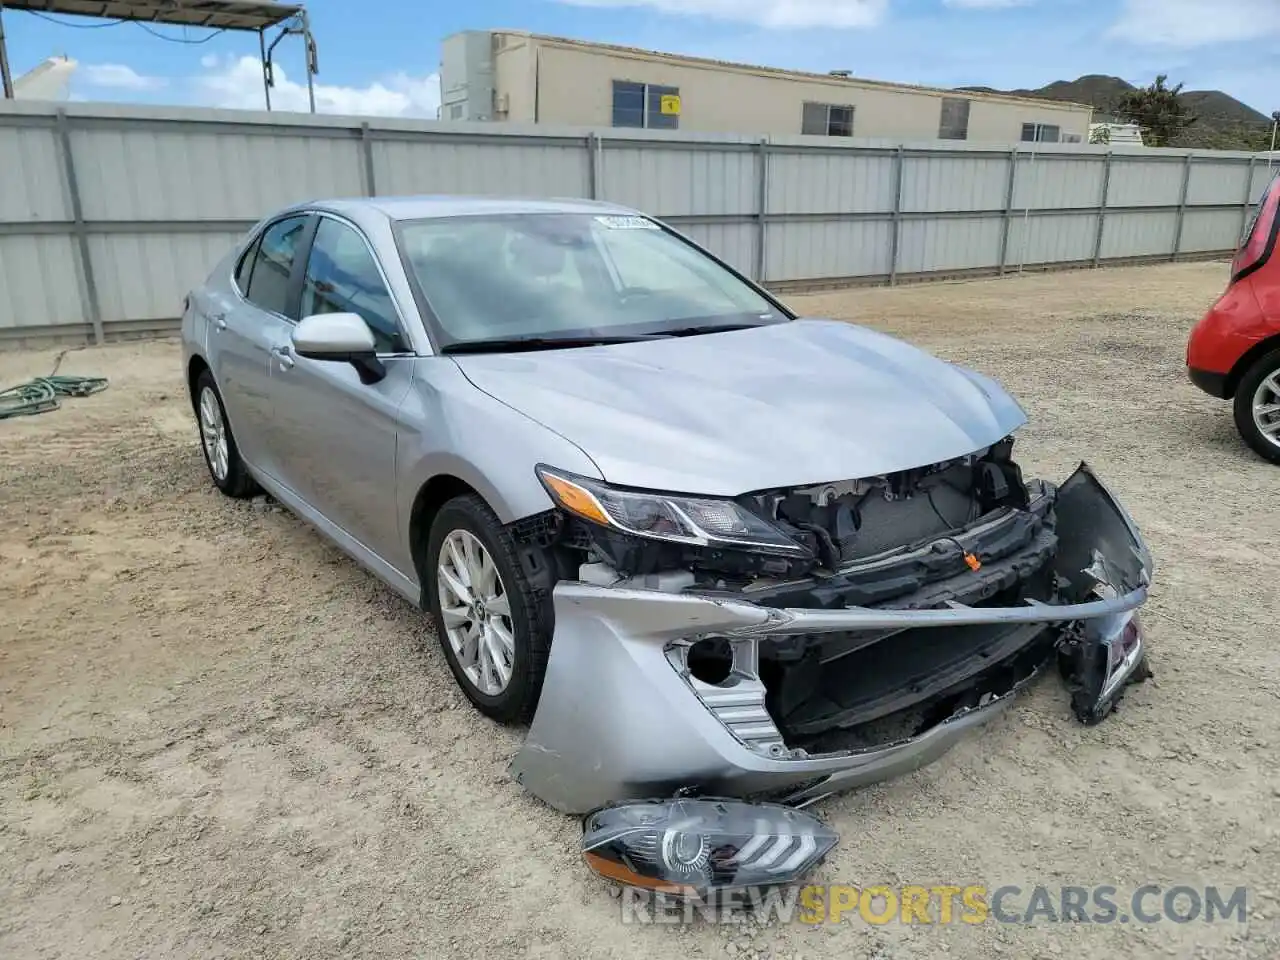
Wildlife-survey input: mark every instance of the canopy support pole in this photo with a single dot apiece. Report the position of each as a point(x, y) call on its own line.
point(262, 59)
point(6, 81)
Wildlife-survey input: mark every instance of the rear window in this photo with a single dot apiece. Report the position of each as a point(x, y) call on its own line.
point(273, 266)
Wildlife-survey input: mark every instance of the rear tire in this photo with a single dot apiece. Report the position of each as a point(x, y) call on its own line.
point(492, 623)
point(1258, 392)
point(221, 455)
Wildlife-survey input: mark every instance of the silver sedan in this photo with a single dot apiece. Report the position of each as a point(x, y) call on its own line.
point(701, 545)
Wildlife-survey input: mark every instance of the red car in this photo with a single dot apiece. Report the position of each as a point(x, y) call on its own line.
point(1234, 352)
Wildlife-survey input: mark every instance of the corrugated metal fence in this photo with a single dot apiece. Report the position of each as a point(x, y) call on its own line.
point(109, 214)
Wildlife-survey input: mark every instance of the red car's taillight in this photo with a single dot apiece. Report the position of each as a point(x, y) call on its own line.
point(1259, 240)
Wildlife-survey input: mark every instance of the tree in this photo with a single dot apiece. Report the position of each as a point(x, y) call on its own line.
point(1248, 137)
point(1100, 134)
point(1157, 110)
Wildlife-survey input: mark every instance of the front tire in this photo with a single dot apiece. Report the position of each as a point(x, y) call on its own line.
point(221, 455)
point(1257, 406)
point(489, 618)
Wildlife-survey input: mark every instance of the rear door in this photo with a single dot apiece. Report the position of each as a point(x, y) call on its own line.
point(335, 436)
point(241, 337)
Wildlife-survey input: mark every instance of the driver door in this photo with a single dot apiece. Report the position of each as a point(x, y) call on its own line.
point(336, 435)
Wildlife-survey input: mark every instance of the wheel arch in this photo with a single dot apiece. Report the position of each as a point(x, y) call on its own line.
point(431, 496)
point(1248, 359)
point(195, 366)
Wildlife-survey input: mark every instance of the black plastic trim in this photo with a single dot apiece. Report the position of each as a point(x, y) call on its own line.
point(1214, 384)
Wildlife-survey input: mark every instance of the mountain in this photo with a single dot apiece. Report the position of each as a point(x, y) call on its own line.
point(1222, 120)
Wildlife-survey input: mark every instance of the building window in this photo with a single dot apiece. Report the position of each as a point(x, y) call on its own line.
point(1040, 133)
point(827, 120)
point(954, 123)
point(455, 111)
point(645, 105)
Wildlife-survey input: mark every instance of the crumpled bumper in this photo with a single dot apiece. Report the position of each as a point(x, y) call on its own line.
point(619, 718)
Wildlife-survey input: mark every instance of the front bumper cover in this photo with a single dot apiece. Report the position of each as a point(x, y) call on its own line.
point(618, 719)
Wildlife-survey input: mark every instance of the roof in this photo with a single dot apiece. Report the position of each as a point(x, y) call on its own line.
point(218, 14)
point(778, 72)
point(430, 207)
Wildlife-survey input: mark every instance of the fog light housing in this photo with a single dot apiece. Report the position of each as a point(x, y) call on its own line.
point(1123, 653)
point(697, 848)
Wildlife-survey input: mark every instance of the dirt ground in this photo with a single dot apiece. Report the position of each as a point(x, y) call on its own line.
point(219, 738)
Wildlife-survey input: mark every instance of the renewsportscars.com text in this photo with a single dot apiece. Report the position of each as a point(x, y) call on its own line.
point(946, 904)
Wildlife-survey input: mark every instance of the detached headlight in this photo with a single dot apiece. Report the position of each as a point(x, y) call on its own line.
point(696, 848)
point(696, 521)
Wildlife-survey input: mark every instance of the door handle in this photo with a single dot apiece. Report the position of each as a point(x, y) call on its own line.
point(219, 320)
point(283, 354)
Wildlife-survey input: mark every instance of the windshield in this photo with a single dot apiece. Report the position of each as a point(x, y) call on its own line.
point(551, 277)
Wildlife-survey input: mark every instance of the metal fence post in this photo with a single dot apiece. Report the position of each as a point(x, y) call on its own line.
point(1102, 209)
point(88, 285)
point(366, 155)
point(1182, 208)
point(1248, 198)
point(762, 206)
point(1009, 189)
point(895, 236)
point(593, 166)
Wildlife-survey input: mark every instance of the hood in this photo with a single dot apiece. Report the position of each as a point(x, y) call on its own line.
point(783, 405)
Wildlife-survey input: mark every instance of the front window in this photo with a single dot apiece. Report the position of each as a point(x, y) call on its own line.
point(343, 277)
point(571, 277)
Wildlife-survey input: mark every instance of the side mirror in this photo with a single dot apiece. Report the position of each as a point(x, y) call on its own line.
point(340, 337)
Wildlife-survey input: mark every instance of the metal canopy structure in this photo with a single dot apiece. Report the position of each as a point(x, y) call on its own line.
point(249, 16)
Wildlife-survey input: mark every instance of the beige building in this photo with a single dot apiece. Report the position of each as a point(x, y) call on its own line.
point(522, 77)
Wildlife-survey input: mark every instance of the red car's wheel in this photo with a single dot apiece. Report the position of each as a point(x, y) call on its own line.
point(1257, 406)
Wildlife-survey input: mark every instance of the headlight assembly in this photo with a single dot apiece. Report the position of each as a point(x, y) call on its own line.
point(696, 848)
point(697, 521)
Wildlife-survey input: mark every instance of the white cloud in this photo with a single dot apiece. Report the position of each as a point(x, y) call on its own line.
point(237, 84)
point(986, 4)
point(1195, 23)
point(117, 76)
point(767, 13)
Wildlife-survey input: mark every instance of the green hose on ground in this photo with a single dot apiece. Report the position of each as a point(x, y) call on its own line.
point(41, 394)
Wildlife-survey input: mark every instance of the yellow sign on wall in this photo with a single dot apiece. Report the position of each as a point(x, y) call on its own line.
point(670, 105)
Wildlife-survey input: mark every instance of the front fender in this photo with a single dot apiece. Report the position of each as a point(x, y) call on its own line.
point(450, 428)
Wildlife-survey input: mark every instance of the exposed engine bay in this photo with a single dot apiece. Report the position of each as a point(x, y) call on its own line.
point(831, 524)
point(967, 533)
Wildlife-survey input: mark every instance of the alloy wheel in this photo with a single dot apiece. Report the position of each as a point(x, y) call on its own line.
point(476, 612)
point(213, 434)
point(1266, 407)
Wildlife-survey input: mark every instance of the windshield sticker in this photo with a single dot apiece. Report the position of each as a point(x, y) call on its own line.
point(627, 223)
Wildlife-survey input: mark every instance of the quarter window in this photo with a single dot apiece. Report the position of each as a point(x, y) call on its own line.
point(273, 266)
point(244, 269)
point(1040, 133)
point(827, 120)
point(342, 277)
point(645, 105)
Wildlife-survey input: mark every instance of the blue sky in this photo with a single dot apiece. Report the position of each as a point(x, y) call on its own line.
point(381, 56)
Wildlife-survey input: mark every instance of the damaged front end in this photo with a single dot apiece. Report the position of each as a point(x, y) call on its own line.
point(795, 643)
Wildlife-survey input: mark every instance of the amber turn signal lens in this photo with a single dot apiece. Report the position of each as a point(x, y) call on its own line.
point(574, 499)
point(620, 873)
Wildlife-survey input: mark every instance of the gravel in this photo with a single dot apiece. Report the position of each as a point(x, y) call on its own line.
point(220, 738)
